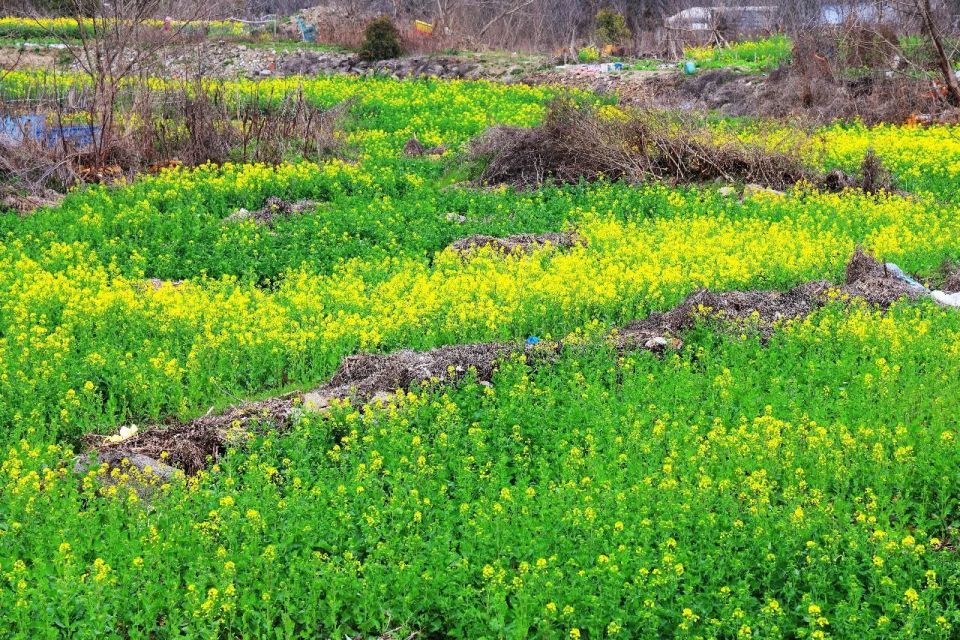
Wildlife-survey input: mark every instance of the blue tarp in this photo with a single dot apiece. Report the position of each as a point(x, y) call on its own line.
point(35, 126)
point(20, 127)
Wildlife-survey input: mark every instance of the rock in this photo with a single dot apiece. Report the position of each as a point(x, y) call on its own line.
point(656, 343)
point(316, 400)
point(456, 217)
point(659, 344)
point(266, 72)
point(727, 192)
point(381, 397)
point(145, 464)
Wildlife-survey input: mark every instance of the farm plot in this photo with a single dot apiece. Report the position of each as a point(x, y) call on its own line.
point(752, 475)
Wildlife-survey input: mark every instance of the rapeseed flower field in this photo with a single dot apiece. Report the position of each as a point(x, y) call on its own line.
point(796, 485)
point(73, 28)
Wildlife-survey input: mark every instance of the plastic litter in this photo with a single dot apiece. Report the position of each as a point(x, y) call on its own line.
point(689, 67)
point(946, 299)
point(532, 340)
point(898, 273)
point(308, 32)
point(125, 434)
point(19, 127)
point(941, 297)
point(607, 67)
point(80, 135)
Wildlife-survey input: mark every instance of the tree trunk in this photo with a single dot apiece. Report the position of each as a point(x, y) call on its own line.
point(943, 60)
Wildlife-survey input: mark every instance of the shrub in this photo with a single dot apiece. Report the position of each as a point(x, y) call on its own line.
point(381, 40)
point(611, 27)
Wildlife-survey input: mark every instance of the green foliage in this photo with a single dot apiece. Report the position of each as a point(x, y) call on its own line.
point(381, 40)
point(588, 54)
point(787, 488)
point(611, 27)
point(754, 55)
point(799, 485)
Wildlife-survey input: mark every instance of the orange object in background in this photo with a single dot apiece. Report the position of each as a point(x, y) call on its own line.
point(157, 167)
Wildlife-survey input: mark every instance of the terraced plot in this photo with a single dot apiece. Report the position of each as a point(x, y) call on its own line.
point(791, 480)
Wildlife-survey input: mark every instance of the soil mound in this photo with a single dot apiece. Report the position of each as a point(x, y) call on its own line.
point(192, 445)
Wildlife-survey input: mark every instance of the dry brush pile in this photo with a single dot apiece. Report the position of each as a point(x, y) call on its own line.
point(578, 143)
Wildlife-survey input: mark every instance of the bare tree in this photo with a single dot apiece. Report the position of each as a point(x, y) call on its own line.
point(933, 29)
point(117, 38)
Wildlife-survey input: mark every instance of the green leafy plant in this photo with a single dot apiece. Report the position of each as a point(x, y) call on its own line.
point(755, 55)
point(381, 40)
point(611, 27)
point(588, 54)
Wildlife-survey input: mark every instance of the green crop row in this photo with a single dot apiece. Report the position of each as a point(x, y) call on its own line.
point(802, 488)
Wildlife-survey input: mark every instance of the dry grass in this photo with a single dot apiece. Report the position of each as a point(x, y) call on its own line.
point(170, 128)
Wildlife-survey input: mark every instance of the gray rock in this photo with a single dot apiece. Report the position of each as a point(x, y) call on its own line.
point(161, 470)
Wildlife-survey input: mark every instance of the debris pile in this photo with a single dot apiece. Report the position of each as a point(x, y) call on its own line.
point(416, 149)
point(577, 144)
